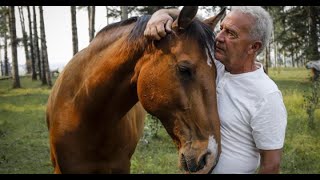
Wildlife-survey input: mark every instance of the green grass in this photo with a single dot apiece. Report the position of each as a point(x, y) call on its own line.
point(23, 132)
point(24, 147)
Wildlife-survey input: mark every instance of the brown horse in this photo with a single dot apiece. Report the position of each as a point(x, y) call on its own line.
point(90, 125)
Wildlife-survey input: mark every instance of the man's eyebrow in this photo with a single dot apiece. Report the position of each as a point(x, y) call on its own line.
point(229, 28)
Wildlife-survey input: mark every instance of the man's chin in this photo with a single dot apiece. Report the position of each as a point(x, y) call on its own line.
point(217, 56)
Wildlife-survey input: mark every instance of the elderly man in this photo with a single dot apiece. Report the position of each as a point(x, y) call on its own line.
point(251, 109)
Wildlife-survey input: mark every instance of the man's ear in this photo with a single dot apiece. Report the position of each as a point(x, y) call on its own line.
point(255, 47)
point(213, 21)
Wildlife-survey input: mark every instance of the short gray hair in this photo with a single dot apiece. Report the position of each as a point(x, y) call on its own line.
point(263, 23)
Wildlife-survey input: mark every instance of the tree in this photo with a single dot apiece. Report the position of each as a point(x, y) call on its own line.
point(1, 67)
point(124, 12)
point(13, 38)
point(32, 55)
point(107, 14)
point(4, 15)
point(25, 40)
point(36, 43)
point(313, 14)
point(46, 79)
point(91, 16)
point(74, 29)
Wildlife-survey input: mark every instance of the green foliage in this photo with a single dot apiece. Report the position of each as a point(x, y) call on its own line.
point(152, 127)
point(301, 153)
point(311, 101)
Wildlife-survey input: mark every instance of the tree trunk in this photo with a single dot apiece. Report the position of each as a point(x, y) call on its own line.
point(107, 14)
point(91, 15)
point(32, 55)
point(266, 59)
point(25, 40)
point(74, 29)
point(46, 68)
point(1, 66)
point(124, 13)
point(13, 38)
point(284, 58)
point(313, 38)
point(36, 43)
point(292, 58)
point(6, 60)
point(274, 49)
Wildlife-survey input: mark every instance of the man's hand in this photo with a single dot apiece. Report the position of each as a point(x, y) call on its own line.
point(160, 24)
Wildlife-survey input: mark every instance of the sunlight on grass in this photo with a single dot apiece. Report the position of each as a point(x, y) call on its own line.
point(13, 108)
point(24, 92)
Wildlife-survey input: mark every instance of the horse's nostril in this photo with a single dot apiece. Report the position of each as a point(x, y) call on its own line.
point(202, 161)
point(188, 163)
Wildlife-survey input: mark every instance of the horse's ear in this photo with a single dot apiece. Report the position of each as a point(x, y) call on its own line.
point(185, 17)
point(213, 21)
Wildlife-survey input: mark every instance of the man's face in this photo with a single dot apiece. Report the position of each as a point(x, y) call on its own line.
point(233, 41)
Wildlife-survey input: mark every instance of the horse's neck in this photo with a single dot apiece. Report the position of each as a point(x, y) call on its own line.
point(107, 80)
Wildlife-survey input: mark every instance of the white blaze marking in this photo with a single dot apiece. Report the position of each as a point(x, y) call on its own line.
point(213, 147)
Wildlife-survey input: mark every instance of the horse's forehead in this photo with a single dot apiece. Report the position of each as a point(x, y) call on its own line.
point(189, 47)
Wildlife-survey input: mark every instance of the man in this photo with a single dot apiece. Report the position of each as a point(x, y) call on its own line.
point(251, 109)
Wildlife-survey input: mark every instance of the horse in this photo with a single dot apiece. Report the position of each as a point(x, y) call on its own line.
point(96, 108)
point(315, 68)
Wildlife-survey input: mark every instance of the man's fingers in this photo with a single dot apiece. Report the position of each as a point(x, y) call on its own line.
point(168, 25)
point(147, 32)
point(151, 33)
point(154, 33)
point(160, 29)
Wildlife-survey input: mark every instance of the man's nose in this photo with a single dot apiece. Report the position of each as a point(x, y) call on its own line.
point(219, 37)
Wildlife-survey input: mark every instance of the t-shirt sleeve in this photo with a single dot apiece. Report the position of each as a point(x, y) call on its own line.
point(269, 123)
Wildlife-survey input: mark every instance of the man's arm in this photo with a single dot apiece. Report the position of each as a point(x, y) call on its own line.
point(270, 161)
point(160, 23)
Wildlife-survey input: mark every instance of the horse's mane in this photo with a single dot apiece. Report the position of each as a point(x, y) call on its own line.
point(112, 32)
point(203, 34)
point(136, 40)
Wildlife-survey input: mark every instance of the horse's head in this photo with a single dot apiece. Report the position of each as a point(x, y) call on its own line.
point(176, 83)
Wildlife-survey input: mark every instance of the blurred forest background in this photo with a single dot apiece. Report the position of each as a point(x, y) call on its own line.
point(24, 144)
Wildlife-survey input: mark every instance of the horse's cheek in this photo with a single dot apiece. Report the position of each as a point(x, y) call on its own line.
point(146, 89)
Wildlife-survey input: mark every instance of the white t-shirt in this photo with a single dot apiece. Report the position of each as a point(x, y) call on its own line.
point(253, 117)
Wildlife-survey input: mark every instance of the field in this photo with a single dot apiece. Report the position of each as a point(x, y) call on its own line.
point(24, 147)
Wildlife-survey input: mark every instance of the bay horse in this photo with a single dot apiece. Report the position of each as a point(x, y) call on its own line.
point(96, 108)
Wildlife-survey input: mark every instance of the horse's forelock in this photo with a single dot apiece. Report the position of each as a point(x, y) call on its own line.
point(203, 34)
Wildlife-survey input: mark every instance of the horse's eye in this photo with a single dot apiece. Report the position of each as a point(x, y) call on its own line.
point(185, 71)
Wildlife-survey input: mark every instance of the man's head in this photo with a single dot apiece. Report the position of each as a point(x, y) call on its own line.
point(244, 32)
point(262, 26)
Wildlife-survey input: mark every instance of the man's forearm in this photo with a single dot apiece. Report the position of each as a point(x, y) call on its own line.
point(270, 161)
point(271, 169)
point(171, 12)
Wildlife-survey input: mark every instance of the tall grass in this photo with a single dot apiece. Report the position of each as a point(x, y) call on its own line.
point(24, 147)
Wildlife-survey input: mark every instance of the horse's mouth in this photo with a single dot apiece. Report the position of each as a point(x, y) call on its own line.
point(190, 166)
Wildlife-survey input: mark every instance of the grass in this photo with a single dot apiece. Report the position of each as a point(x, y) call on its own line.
point(23, 132)
point(24, 147)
